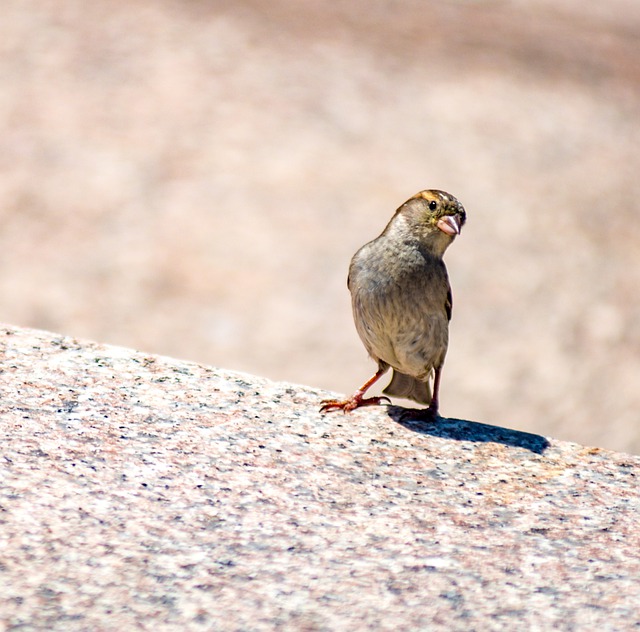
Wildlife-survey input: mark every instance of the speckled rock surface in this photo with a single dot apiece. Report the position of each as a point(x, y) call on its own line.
point(142, 492)
point(175, 164)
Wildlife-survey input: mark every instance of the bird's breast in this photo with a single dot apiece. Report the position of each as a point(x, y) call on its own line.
point(399, 308)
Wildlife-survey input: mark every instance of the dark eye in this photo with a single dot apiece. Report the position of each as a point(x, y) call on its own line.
point(433, 205)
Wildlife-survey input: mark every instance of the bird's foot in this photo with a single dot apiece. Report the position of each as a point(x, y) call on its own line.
point(431, 412)
point(353, 402)
point(418, 415)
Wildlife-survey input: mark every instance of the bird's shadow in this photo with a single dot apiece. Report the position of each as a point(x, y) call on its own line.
point(418, 420)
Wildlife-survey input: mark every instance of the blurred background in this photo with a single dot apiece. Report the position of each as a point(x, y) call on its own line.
point(191, 178)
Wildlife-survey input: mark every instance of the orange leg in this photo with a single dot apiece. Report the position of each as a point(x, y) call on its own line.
point(357, 399)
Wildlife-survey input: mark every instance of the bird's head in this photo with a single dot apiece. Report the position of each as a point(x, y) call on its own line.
point(432, 217)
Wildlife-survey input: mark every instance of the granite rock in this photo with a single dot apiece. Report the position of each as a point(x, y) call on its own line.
point(139, 492)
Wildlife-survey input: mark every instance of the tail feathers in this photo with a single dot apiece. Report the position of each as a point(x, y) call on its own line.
point(402, 385)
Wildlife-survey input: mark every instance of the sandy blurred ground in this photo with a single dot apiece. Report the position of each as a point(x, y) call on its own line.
point(191, 178)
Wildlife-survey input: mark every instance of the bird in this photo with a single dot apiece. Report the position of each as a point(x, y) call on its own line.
point(402, 301)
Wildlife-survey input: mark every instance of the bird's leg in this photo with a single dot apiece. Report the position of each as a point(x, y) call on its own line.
point(433, 406)
point(357, 399)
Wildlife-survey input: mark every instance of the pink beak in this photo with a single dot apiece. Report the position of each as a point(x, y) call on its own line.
point(449, 224)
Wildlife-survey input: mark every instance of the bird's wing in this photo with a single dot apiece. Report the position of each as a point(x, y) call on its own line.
point(448, 306)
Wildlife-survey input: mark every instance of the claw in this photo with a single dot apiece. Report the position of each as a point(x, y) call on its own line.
point(432, 410)
point(357, 399)
point(431, 413)
point(347, 405)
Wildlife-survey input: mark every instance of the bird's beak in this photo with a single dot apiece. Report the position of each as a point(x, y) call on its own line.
point(450, 224)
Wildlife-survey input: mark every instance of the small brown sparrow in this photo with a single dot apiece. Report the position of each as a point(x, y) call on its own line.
point(401, 299)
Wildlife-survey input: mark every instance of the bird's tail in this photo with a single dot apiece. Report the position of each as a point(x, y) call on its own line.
point(402, 385)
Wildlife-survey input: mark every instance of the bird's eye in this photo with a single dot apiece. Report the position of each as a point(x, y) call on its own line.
point(433, 205)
